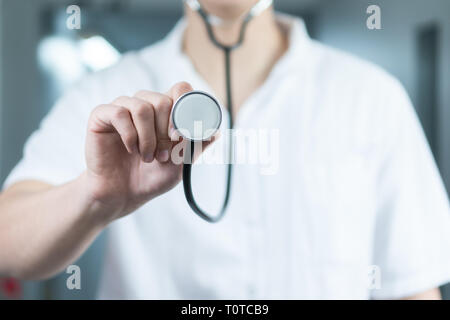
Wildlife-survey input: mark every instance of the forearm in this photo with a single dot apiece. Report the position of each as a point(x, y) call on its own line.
point(43, 231)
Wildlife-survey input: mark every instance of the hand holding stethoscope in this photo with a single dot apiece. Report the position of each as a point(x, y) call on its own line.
point(128, 141)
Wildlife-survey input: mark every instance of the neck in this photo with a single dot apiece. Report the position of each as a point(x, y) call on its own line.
point(263, 45)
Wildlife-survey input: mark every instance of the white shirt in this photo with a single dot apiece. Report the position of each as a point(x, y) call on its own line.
point(356, 186)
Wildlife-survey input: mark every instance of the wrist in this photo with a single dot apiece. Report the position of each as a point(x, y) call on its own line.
point(98, 211)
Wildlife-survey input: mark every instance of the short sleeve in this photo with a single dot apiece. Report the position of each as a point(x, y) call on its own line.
point(55, 152)
point(412, 232)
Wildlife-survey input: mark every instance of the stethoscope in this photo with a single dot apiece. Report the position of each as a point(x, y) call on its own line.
point(197, 107)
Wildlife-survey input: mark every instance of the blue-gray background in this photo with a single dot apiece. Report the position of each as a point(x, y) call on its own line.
point(414, 45)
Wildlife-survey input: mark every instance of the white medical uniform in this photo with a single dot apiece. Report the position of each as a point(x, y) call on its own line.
point(356, 192)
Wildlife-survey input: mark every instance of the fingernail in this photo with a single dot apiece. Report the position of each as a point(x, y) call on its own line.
point(163, 155)
point(149, 158)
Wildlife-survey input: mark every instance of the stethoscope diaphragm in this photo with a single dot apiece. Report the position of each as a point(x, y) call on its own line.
point(196, 116)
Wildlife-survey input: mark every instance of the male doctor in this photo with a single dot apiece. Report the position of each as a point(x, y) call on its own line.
point(356, 184)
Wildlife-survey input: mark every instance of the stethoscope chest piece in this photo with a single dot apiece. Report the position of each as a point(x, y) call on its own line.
point(196, 116)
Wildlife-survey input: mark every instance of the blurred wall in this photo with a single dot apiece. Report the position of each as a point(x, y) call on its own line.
point(342, 24)
point(20, 101)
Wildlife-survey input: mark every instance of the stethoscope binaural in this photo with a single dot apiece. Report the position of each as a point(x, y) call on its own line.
point(200, 107)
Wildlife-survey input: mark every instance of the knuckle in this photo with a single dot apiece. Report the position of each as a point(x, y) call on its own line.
point(143, 110)
point(163, 103)
point(120, 113)
point(94, 117)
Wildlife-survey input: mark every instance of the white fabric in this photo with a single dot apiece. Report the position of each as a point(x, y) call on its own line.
point(356, 186)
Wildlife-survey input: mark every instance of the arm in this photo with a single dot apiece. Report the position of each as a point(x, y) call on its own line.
point(43, 228)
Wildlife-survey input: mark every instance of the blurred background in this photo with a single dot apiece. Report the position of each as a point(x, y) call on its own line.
point(40, 58)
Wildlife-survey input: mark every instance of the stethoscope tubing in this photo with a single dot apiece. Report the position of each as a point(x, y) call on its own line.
point(187, 166)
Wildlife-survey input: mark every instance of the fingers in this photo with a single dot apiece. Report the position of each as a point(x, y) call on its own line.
point(162, 105)
point(142, 121)
point(109, 118)
point(143, 116)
